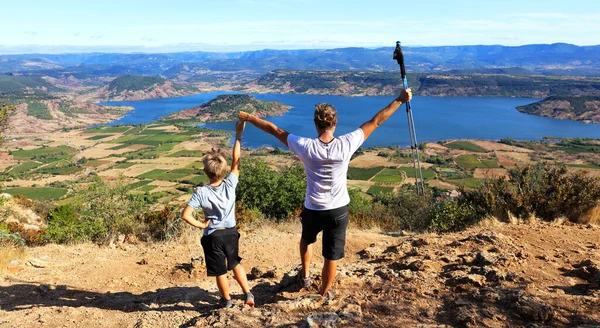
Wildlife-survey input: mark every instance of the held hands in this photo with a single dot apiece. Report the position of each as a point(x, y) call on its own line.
point(239, 128)
point(405, 96)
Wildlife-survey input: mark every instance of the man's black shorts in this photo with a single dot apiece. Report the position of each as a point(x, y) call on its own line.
point(221, 251)
point(333, 223)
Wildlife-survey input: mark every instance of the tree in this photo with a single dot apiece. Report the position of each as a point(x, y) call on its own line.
point(5, 112)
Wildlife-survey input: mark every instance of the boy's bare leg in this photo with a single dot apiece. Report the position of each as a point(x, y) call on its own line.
point(327, 276)
point(223, 285)
point(240, 276)
point(306, 253)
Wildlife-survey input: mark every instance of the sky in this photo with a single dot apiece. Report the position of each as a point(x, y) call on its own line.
point(229, 25)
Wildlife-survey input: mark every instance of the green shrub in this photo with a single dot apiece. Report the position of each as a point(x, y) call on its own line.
point(451, 215)
point(276, 194)
point(63, 226)
point(548, 192)
point(405, 208)
point(165, 224)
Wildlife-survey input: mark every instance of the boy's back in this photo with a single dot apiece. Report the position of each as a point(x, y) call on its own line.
point(218, 203)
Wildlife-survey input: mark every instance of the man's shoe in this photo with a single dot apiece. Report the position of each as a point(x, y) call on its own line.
point(250, 299)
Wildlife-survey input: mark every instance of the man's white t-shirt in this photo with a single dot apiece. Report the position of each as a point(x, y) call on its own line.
point(326, 167)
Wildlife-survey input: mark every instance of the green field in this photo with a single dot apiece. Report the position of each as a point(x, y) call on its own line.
point(196, 166)
point(471, 161)
point(166, 147)
point(468, 182)
point(123, 165)
point(127, 139)
point(410, 172)
point(38, 110)
point(24, 167)
point(356, 173)
point(466, 145)
point(43, 152)
point(388, 175)
point(38, 193)
point(98, 137)
point(162, 175)
point(196, 180)
point(186, 153)
point(60, 168)
point(375, 190)
point(107, 129)
point(184, 171)
point(138, 184)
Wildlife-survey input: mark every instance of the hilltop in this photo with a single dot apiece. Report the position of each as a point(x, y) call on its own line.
point(134, 87)
point(227, 107)
point(484, 83)
point(585, 109)
point(493, 275)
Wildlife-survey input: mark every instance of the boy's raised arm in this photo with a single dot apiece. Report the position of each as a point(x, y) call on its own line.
point(266, 126)
point(235, 161)
point(369, 126)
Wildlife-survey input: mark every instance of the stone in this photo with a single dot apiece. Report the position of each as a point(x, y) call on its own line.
point(142, 261)
point(483, 258)
point(406, 274)
point(425, 265)
point(370, 252)
point(419, 242)
point(306, 302)
point(462, 278)
point(323, 320)
point(37, 263)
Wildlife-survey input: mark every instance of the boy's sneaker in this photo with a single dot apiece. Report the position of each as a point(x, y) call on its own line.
point(250, 299)
point(304, 281)
point(329, 297)
point(227, 304)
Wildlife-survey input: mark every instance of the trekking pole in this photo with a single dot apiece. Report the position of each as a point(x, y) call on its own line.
point(399, 57)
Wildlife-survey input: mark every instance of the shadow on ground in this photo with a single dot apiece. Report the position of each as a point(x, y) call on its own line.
point(27, 295)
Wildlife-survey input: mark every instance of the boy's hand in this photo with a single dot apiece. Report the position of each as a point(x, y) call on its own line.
point(239, 128)
point(405, 96)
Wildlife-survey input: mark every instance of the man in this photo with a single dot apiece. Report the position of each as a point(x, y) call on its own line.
point(326, 160)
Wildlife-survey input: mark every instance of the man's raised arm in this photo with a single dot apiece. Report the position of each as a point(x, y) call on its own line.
point(369, 126)
point(266, 126)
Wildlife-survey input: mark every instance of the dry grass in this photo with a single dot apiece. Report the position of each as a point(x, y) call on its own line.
point(9, 253)
point(591, 217)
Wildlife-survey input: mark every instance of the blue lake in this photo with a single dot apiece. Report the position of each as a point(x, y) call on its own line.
point(436, 118)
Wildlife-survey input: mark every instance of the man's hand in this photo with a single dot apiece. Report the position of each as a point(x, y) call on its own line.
point(243, 116)
point(239, 128)
point(405, 96)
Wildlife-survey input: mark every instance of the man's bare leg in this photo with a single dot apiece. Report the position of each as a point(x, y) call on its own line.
point(327, 276)
point(306, 253)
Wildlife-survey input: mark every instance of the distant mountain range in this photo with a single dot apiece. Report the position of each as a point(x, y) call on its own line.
point(559, 59)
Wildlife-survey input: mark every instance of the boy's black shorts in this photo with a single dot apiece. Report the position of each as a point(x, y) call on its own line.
point(221, 251)
point(333, 223)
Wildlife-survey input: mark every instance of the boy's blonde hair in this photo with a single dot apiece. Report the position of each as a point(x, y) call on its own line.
point(215, 164)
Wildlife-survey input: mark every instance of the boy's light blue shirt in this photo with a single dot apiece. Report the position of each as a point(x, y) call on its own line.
point(218, 203)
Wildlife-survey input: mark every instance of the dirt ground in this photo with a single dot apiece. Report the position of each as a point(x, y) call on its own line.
point(492, 275)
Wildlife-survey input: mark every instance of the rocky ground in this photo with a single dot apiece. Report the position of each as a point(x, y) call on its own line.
point(493, 275)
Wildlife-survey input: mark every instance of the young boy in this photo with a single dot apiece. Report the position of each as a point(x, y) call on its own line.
point(221, 238)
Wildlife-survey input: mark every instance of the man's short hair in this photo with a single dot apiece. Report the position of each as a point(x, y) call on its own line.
point(325, 116)
point(215, 164)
